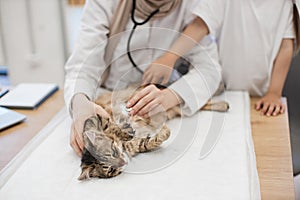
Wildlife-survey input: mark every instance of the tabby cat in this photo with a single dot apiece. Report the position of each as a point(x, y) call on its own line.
point(110, 143)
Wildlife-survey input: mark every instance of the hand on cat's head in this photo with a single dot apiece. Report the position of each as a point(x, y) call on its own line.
point(103, 154)
point(82, 109)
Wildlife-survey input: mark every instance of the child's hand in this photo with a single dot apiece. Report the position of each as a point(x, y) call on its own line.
point(159, 71)
point(270, 105)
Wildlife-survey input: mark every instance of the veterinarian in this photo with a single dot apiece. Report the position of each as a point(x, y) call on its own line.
point(150, 29)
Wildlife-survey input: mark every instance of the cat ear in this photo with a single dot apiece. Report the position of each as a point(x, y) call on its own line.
point(104, 123)
point(85, 174)
point(91, 135)
point(90, 123)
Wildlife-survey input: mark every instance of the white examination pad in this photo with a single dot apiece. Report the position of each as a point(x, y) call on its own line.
point(172, 172)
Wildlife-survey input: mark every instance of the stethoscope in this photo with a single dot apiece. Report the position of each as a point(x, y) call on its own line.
point(132, 31)
point(130, 37)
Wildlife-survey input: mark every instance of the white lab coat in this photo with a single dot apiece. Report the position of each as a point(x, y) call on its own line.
point(85, 66)
point(249, 34)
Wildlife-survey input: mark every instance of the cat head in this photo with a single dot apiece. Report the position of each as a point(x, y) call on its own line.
point(103, 156)
point(94, 168)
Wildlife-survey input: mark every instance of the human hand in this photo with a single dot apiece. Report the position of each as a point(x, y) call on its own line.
point(151, 100)
point(159, 71)
point(82, 110)
point(270, 105)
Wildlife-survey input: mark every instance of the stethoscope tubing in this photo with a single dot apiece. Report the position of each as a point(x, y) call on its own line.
point(136, 23)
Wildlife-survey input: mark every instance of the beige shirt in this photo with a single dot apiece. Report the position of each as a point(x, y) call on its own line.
point(85, 66)
point(249, 34)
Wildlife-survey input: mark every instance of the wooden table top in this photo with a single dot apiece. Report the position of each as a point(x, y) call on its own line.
point(270, 136)
point(13, 139)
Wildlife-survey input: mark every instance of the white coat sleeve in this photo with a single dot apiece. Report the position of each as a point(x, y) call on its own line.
point(212, 13)
point(86, 64)
point(201, 82)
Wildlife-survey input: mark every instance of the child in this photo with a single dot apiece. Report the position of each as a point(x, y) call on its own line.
point(255, 42)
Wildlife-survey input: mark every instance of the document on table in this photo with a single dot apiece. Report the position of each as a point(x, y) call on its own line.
point(28, 95)
point(9, 118)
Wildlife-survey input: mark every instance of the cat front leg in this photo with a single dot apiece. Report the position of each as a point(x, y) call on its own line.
point(140, 145)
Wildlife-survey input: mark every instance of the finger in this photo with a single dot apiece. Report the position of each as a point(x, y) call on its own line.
point(72, 137)
point(147, 108)
point(258, 104)
point(155, 79)
point(277, 110)
point(147, 70)
point(77, 149)
point(150, 69)
point(282, 109)
point(165, 80)
point(102, 112)
point(270, 110)
point(265, 108)
point(77, 133)
point(142, 103)
point(73, 142)
point(76, 146)
point(157, 109)
point(146, 78)
point(148, 74)
point(139, 95)
point(79, 140)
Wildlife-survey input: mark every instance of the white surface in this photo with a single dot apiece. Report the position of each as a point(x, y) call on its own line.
point(229, 172)
point(27, 95)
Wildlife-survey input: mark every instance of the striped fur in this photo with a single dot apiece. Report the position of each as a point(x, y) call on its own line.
point(110, 145)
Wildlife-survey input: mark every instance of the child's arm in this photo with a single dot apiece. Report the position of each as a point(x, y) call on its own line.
point(271, 104)
point(161, 68)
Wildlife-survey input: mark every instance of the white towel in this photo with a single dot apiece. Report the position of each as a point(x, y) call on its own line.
point(173, 172)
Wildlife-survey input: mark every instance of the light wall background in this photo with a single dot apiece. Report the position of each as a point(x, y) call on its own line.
point(33, 40)
point(2, 55)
